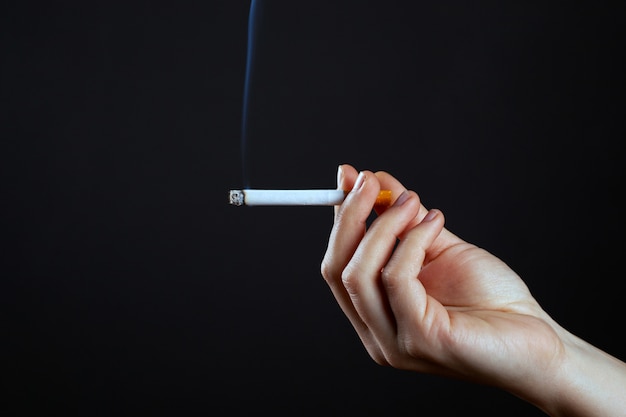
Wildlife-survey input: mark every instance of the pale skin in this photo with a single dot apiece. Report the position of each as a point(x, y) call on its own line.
point(436, 304)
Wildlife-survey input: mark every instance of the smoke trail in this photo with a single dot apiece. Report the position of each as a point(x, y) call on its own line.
point(253, 18)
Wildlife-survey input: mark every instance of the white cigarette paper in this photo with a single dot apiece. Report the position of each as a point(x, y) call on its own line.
point(260, 197)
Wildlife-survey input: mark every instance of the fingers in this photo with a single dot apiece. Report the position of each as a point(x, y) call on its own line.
point(346, 177)
point(348, 230)
point(444, 240)
point(350, 221)
point(361, 276)
point(355, 257)
point(379, 305)
point(388, 182)
point(416, 313)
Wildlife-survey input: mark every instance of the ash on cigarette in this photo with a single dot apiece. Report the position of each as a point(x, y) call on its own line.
point(235, 197)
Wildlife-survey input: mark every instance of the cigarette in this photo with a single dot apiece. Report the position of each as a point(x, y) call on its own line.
point(259, 197)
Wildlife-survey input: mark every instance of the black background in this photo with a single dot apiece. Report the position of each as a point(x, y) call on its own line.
point(130, 285)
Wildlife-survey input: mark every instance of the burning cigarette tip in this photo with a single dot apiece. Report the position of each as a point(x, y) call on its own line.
point(236, 197)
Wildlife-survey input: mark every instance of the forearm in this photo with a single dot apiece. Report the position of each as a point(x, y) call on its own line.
point(589, 383)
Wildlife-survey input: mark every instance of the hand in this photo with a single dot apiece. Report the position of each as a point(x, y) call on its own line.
point(422, 299)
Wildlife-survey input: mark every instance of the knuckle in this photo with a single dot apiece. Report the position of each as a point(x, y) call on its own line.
point(327, 270)
point(389, 278)
point(412, 348)
point(350, 281)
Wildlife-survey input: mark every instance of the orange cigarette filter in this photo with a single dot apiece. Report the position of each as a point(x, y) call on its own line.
point(383, 199)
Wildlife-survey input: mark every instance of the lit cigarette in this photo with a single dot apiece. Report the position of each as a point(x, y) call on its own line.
point(257, 197)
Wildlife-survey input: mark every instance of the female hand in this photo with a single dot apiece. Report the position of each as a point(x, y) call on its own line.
point(422, 299)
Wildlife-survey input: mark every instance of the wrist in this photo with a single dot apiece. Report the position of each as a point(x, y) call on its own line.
point(588, 382)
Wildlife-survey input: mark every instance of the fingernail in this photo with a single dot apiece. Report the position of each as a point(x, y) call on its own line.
point(402, 198)
point(359, 181)
point(430, 215)
point(339, 176)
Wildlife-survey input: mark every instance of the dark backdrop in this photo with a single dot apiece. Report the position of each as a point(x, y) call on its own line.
point(130, 285)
